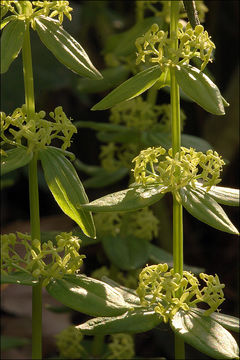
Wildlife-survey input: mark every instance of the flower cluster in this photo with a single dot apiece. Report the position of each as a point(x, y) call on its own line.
point(168, 292)
point(42, 261)
point(192, 43)
point(36, 132)
point(24, 10)
point(142, 223)
point(69, 344)
point(157, 166)
point(114, 156)
point(121, 347)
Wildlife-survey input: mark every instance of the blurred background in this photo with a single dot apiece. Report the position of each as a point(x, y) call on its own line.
point(217, 252)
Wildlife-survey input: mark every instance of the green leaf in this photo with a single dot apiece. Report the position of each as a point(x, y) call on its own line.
point(195, 142)
point(224, 196)
point(6, 20)
point(128, 294)
point(65, 48)
point(112, 77)
point(15, 159)
point(131, 88)
point(126, 251)
point(227, 321)
point(11, 43)
point(136, 321)
point(126, 200)
point(19, 277)
point(158, 255)
point(203, 207)
point(88, 295)
point(205, 334)
point(105, 178)
point(9, 342)
point(66, 187)
point(200, 89)
point(124, 44)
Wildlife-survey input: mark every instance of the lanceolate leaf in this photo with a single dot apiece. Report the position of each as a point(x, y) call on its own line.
point(129, 295)
point(126, 251)
point(88, 295)
point(65, 48)
point(126, 200)
point(205, 334)
point(203, 207)
point(11, 42)
point(227, 321)
point(105, 178)
point(200, 89)
point(131, 88)
point(15, 159)
point(135, 321)
point(225, 196)
point(66, 187)
point(18, 277)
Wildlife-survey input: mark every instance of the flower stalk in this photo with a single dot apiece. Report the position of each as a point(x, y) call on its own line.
point(176, 144)
point(33, 198)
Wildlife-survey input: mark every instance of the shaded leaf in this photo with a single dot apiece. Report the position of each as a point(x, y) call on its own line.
point(126, 251)
point(224, 195)
point(11, 42)
point(66, 187)
point(19, 277)
point(131, 88)
point(203, 207)
point(124, 44)
point(88, 295)
point(135, 321)
point(200, 88)
point(227, 321)
point(112, 77)
point(105, 178)
point(158, 255)
point(126, 200)
point(205, 334)
point(15, 159)
point(65, 48)
point(9, 342)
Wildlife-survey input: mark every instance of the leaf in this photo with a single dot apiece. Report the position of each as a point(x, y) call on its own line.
point(158, 255)
point(65, 48)
point(131, 88)
point(126, 251)
point(224, 195)
point(66, 187)
point(195, 142)
point(112, 77)
point(9, 342)
point(88, 295)
point(11, 43)
point(227, 321)
point(18, 277)
point(15, 159)
point(124, 44)
point(203, 207)
point(200, 88)
point(129, 295)
point(133, 322)
point(7, 19)
point(205, 334)
point(105, 178)
point(126, 200)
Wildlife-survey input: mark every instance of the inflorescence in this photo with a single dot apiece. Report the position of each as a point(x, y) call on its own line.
point(36, 132)
point(192, 43)
point(168, 292)
point(157, 166)
point(42, 261)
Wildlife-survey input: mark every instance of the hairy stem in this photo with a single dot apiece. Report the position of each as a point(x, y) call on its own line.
point(176, 144)
point(33, 198)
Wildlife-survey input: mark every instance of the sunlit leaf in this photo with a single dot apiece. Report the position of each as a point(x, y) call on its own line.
point(14, 159)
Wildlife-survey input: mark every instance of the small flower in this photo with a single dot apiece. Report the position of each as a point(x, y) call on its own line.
point(121, 347)
point(69, 343)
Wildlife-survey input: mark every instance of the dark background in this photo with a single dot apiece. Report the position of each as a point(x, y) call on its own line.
point(55, 85)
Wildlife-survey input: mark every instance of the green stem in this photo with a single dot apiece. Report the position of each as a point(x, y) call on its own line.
point(97, 347)
point(176, 144)
point(33, 198)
